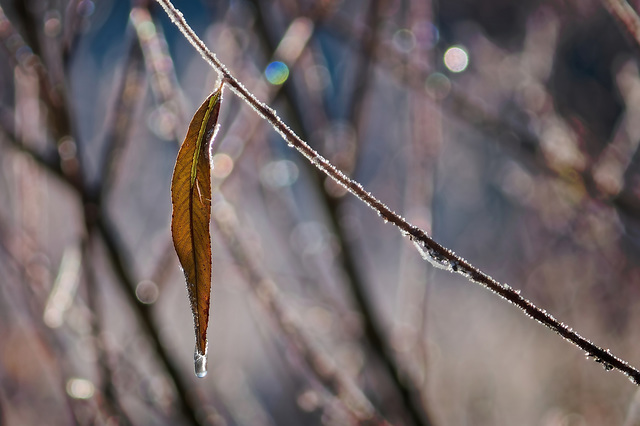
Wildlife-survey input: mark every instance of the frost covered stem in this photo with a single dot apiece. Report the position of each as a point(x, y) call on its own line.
point(431, 250)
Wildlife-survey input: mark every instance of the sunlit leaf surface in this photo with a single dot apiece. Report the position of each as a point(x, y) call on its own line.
point(191, 200)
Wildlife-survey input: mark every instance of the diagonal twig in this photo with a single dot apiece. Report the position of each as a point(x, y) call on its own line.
point(325, 369)
point(624, 13)
point(432, 251)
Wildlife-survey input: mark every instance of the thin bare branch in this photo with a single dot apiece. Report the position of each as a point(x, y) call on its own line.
point(432, 251)
point(325, 369)
point(624, 13)
point(356, 281)
point(115, 252)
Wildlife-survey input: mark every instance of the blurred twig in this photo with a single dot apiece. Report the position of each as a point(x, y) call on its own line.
point(115, 252)
point(364, 72)
point(424, 123)
point(114, 247)
point(112, 402)
point(24, 56)
point(374, 330)
point(268, 294)
point(160, 69)
point(121, 116)
point(326, 371)
point(19, 249)
point(71, 32)
point(69, 169)
point(625, 15)
point(521, 143)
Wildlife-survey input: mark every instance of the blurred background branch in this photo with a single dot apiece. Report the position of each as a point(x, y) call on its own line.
point(505, 129)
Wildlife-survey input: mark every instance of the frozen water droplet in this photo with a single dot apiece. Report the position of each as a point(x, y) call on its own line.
point(453, 264)
point(200, 363)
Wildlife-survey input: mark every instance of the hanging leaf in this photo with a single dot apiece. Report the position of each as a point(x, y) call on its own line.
point(191, 200)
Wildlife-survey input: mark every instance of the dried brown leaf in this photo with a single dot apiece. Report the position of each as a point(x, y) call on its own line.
point(191, 200)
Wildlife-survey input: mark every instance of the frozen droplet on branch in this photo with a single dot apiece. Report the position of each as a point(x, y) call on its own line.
point(431, 256)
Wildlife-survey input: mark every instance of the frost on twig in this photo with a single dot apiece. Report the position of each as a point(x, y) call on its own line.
point(436, 254)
